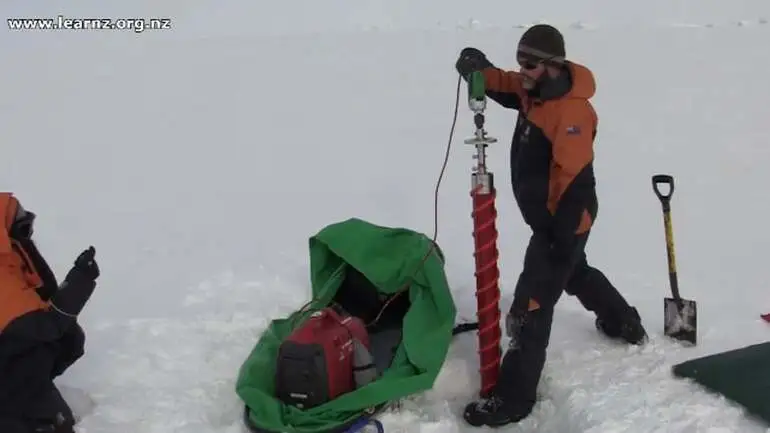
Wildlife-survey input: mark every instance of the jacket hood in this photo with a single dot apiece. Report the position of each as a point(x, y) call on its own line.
point(583, 83)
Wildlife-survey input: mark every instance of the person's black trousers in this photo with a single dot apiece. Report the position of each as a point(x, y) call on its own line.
point(549, 269)
point(28, 368)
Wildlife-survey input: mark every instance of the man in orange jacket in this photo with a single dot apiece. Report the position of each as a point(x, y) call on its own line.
point(39, 334)
point(554, 186)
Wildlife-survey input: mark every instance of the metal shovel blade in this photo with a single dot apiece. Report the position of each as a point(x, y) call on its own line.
point(681, 319)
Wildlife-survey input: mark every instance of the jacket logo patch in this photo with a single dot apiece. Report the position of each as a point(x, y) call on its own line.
point(525, 136)
point(573, 130)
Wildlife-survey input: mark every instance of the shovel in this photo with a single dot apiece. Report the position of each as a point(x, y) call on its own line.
point(680, 315)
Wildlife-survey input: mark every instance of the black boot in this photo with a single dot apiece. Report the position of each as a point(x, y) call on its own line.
point(33, 426)
point(627, 327)
point(494, 412)
point(51, 426)
point(514, 394)
point(9, 425)
point(52, 414)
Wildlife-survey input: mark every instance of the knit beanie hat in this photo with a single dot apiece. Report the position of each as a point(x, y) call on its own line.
point(542, 43)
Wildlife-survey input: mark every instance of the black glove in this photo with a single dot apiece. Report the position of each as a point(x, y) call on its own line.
point(78, 285)
point(471, 60)
point(85, 267)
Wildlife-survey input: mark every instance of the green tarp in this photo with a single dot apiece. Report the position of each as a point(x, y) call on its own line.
point(390, 258)
point(740, 375)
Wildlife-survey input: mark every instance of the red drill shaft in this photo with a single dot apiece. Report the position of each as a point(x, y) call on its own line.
point(487, 283)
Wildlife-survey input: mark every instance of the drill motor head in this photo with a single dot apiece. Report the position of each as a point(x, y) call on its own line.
point(477, 97)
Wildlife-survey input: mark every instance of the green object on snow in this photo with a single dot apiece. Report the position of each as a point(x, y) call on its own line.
point(740, 375)
point(391, 259)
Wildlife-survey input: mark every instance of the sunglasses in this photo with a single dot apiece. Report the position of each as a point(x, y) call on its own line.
point(530, 63)
point(526, 64)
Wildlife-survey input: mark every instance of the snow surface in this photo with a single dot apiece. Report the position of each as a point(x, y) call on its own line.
point(198, 160)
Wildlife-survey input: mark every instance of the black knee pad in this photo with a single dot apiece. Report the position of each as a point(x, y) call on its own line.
point(529, 328)
point(74, 341)
point(70, 348)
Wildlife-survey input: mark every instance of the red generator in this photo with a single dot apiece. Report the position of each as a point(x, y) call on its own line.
point(316, 362)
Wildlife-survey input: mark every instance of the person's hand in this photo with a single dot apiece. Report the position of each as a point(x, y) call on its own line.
point(77, 287)
point(85, 266)
point(471, 60)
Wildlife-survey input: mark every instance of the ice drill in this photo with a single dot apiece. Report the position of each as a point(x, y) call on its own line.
point(485, 241)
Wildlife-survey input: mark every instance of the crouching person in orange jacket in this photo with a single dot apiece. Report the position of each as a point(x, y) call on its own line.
point(39, 334)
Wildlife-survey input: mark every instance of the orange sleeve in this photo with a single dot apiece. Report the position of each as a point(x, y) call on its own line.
point(500, 81)
point(572, 148)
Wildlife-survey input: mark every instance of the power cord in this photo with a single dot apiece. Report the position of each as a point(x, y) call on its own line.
point(460, 328)
point(446, 159)
point(463, 327)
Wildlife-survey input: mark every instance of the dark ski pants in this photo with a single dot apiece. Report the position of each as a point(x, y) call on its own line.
point(27, 371)
point(548, 271)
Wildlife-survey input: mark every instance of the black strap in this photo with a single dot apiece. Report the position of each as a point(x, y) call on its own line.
point(465, 327)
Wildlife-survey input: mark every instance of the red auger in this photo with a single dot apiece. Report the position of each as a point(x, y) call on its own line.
point(485, 243)
point(487, 288)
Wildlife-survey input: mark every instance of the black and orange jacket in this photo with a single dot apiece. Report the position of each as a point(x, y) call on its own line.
point(26, 284)
point(19, 280)
point(551, 151)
